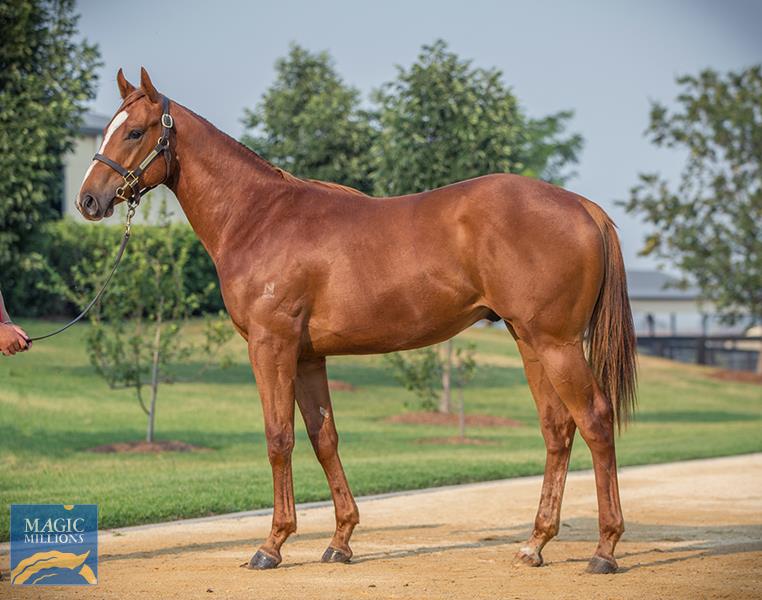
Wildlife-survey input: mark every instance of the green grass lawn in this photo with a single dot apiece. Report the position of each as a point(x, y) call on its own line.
point(53, 407)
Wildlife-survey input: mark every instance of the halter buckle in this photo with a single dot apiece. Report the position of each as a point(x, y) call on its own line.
point(167, 121)
point(131, 179)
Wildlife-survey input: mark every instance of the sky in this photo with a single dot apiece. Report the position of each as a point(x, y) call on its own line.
point(604, 60)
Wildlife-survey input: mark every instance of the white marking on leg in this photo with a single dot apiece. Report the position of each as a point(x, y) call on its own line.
point(269, 290)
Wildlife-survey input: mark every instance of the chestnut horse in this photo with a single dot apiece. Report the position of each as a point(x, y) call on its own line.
point(310, 269)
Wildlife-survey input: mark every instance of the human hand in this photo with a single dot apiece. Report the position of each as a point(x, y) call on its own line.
point(13, 339)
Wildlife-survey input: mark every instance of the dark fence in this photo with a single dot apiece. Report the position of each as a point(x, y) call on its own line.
point(728, 352)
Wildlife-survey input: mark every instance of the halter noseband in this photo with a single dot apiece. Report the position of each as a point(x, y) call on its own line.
point(131, 191)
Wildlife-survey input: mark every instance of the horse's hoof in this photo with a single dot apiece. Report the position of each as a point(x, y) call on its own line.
point(261, 561)
point(601, 566)
point(332, 555)
point(525, 557)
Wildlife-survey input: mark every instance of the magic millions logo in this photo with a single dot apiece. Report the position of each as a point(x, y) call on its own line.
point(54, 544)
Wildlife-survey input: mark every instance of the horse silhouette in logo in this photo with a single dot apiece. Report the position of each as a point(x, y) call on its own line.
point(54, 567)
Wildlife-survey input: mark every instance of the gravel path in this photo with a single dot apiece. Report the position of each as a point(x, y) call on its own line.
point(694, 530)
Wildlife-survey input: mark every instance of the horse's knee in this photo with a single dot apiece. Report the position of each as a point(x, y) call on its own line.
point(280, 444)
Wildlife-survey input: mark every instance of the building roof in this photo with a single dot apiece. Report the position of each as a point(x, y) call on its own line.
point(655, 285)
point(93, 123)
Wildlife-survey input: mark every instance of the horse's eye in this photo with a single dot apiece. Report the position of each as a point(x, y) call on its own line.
point(135, 134)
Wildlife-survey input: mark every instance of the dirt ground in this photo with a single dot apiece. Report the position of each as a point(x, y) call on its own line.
point(694, 530)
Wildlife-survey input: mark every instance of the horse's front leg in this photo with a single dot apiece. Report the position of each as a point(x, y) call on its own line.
point(274, 363)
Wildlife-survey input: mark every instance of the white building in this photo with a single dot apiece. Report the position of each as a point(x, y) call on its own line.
point(661, 308)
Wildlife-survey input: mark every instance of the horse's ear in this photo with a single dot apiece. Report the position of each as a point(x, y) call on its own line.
point(125, 87)
point(147, 85)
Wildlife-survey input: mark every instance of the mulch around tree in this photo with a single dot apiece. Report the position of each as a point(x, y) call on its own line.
point(143, 447)
point(742, 376)
point(452, 420)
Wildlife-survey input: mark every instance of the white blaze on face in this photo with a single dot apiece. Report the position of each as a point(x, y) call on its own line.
point(116, 122)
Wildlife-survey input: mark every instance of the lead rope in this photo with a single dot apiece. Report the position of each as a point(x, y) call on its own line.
point(131, 206)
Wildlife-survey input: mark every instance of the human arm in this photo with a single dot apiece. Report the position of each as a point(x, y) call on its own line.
point(12, 338)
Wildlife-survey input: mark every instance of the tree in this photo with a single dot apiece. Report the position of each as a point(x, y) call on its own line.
point(46, 77)
point(465, 370)
point(429, 373)
point(443, 120)
point(309, 122)
point(710, 224)
point(420, 372)
point(136, 332)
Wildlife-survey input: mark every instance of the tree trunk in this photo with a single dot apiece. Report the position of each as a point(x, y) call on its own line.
point(461, 413)
point(759, 360)
point(445, 401)
point(155, 373)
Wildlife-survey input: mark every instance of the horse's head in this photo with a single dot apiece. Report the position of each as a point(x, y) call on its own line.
point(129, 138)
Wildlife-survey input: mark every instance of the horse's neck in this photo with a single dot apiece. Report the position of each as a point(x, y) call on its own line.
point(219, 184)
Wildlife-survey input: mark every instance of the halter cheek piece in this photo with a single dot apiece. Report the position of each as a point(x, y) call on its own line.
point(131, 191)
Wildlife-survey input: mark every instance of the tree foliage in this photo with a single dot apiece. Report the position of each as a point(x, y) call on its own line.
point(310, 123)
point(46, 76)
point(709, 225)
point(443, 120)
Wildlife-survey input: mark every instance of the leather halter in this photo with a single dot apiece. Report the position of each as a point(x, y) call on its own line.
point(131, 191)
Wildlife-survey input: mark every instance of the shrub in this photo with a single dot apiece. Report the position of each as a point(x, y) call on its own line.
point(64, 248)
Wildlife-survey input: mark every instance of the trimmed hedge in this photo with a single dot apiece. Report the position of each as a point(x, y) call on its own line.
point(63, 246)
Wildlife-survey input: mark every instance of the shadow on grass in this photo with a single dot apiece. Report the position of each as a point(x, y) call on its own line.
point(698, 416)
point(358, 374)
point(66, 443)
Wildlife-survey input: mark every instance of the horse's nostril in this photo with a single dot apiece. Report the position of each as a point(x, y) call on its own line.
point(90, 205)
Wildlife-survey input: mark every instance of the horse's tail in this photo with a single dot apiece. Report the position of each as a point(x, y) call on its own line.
point(611, 342)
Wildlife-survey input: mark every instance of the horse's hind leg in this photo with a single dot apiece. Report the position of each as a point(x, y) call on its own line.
point(567, 370)
point(558, 431)
point(314, 401)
